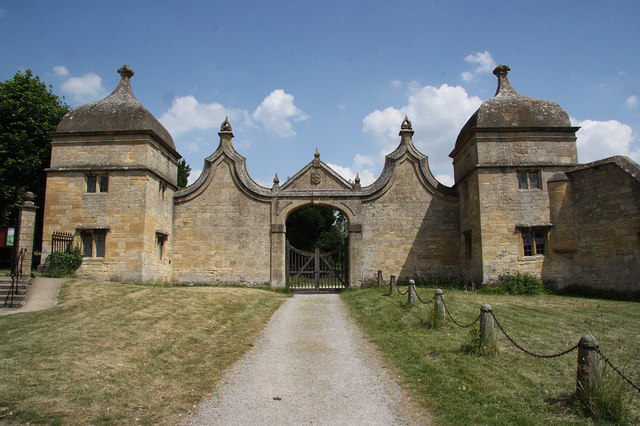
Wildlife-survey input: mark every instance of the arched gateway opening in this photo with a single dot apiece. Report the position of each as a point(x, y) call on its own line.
point(317, 249)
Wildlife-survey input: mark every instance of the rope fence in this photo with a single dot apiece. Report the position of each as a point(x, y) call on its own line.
point(589, 353)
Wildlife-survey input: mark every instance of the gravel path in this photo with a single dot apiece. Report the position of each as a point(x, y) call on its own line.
point(311, 365)
point(42, 294)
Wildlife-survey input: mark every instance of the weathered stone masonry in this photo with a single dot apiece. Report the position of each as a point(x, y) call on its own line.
point(521, 202)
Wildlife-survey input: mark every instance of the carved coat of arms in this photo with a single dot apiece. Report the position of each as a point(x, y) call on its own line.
point(316, 177)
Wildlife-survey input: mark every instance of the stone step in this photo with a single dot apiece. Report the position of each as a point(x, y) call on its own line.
point(19, 294)
point(7, 287)
point(18, 300)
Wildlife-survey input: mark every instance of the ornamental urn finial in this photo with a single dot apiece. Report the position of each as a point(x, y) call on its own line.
point(125, 71)
point(504, 87)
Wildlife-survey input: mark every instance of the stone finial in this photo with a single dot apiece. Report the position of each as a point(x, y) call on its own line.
point(316, 158)
point(406, 124)
point(225, 126)
point(125, 71)
point(28, 199)
point(504, 87)
point(406, 131)
point(357, 185)
point(276, 181)
point(501, 70)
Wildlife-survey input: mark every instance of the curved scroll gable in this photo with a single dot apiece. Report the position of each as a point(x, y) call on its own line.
point(239, 167)
point(407, 148)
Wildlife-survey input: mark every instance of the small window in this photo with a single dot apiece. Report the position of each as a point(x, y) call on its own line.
point(104, 183)
point(91, 183)
point(533, 242)
point(99, 182)
point(160, 240)
point(162, 188)
point(87, 244)
point(529, 179)
point(93, 243)
point(467, 244)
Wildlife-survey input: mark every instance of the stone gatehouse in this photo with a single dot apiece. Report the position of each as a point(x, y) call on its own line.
point(521, 202)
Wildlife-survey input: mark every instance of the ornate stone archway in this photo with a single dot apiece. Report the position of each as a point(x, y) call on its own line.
point(390, 224)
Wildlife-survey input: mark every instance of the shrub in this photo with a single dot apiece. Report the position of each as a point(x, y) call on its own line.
point(64, 264)
point(610, 399)
point(516, 284)
point(434, 318)
point(474, 345)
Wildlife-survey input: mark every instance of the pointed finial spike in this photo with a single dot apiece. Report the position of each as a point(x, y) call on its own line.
point(225, 126)
point(276, 180)
point(406, 124)
point(317, 153)
point(125, 71)
point(357, 177)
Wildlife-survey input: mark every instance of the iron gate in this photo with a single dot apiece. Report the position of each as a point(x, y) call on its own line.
point(317, 271)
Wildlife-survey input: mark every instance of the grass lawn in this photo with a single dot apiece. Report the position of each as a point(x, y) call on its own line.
point(125, 353)
point(511, 387)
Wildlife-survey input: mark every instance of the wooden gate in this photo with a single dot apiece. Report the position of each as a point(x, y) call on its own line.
point(317, 271)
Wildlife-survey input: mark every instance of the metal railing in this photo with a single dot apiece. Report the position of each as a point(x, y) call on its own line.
point(16, 276)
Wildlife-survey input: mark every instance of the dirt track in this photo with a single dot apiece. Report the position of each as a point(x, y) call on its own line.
point(311, 365)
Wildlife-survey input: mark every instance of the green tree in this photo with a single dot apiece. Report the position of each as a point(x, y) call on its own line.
point(316, 226)
point(184, 170)
point(28, 112)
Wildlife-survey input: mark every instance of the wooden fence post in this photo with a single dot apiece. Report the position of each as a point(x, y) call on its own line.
point(412, 292)
point(380, 281)
point(588, 375)
point(438, 303)
point(487, 332)
point(393, 284)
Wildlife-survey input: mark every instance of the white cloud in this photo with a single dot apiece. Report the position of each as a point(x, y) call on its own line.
point(396, 83)
point(84, 89)
point(437, 115)
point(60, 71)
point(445, 179)
point(632, 101)
point(601, 139)
point(193, 176)
point(366, 176)
point(484, 62)
point(187, 113)
point(362, 161)
point(277, 111)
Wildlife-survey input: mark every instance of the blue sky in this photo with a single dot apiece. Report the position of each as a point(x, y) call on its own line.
point(339, 76)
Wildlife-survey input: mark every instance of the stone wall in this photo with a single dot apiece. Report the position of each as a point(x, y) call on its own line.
point(410, 230)
point(136, 206)
point(73, 151)
point(605, 198)
point(221, 234)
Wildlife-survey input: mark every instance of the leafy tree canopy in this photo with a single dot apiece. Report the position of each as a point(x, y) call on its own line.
point(317, 226)
point(184, 170)
point(28, 112)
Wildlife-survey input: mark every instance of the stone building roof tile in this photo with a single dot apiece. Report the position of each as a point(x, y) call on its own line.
point(120, 111)
point(510, 109)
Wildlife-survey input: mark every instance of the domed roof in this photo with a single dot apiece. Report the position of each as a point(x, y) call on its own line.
point(510, 109)
point(120, 111)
